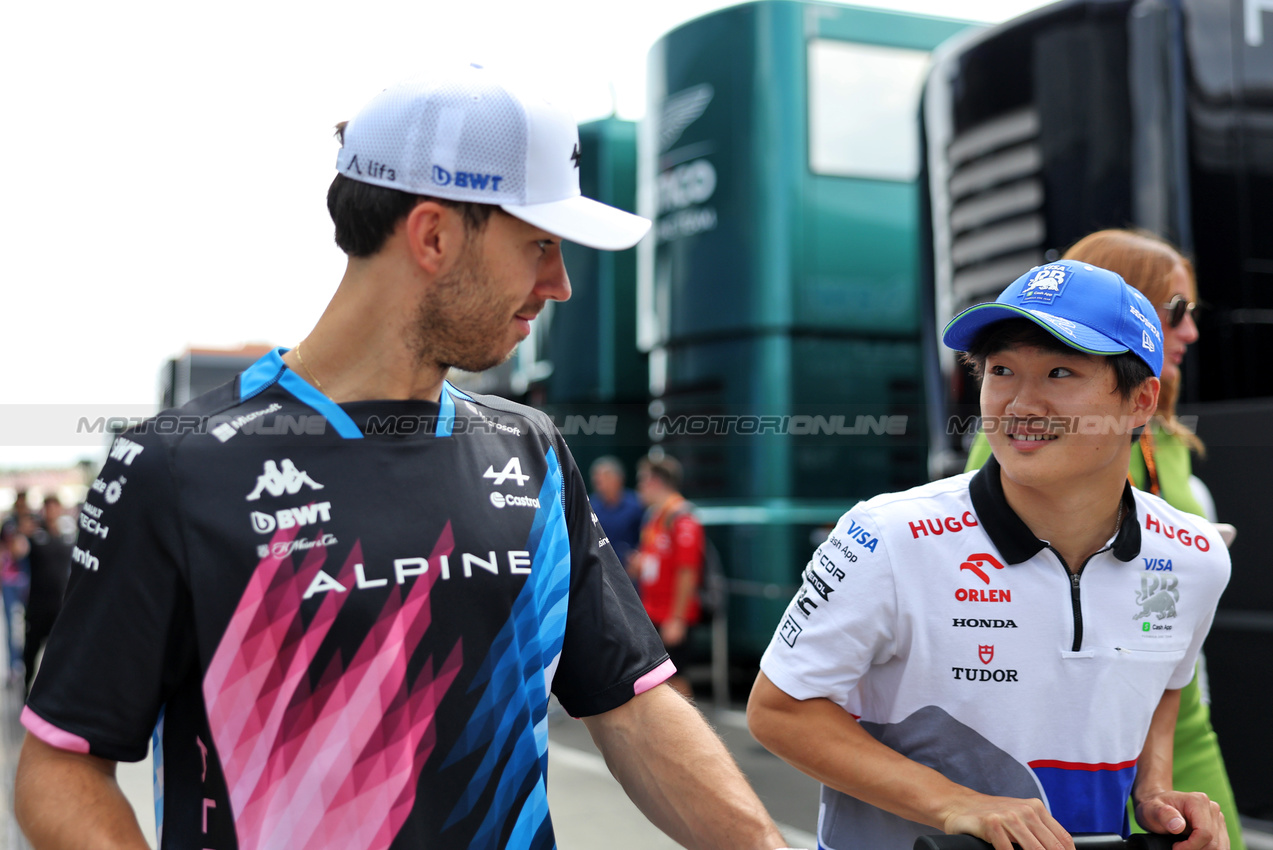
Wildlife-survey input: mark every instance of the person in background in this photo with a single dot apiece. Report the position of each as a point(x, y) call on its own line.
point(1160, 464)
point(15, 579)
point(13, 549)
point(50, 559)
point(618, 509)
point(670, 559)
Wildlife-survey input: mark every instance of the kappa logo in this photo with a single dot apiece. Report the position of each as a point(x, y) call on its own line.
point(512, 469)
point(1046, 285)
point(277, 481)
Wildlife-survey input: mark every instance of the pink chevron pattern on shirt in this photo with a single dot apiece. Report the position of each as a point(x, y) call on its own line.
point(335, 765)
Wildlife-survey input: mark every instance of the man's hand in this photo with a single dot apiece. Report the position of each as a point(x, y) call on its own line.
point(823, 740)
point(1004, 821)
point(1192, 816)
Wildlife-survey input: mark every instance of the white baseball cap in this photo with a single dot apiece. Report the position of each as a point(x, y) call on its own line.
point(470, 136)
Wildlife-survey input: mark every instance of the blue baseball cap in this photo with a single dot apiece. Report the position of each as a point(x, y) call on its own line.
point(1087, 308)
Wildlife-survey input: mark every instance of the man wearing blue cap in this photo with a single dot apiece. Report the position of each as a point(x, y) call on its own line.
point(999, 653)
point(342, 607)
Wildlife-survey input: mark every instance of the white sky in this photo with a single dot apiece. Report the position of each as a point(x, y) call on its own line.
point(167, 163)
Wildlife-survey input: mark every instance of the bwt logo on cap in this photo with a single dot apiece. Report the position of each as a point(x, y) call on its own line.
point(1046, 285)
point(466, 179)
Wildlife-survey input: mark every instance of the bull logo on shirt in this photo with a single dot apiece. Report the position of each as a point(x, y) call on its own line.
point(1158, 596)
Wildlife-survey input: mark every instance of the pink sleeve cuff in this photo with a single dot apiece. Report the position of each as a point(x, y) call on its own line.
point(50, 734)
point(657, 676)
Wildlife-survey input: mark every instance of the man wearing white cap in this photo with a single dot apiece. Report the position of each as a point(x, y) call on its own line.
point(1000, 653)
point(341, 606)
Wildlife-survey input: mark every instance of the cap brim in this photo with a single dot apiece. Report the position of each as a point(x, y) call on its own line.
point(583, 220)
point(962, 331)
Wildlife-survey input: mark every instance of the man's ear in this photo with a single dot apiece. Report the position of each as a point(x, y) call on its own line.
point(1145, 400)
point(435, 236)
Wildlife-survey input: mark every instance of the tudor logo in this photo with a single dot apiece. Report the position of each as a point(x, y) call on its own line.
point(512, 469)
point(277, 480)
point(986, 653)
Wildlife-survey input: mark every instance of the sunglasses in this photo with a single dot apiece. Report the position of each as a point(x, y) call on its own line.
point(1177, 308)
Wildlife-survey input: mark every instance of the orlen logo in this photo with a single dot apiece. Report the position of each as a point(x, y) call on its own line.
point(466, 179)
point(978, 564)
point(1181, 535)
point(292, 517)
point(940, 525)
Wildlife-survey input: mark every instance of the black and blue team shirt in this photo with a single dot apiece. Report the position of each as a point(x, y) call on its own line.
point(342, 623)
point(956, 637)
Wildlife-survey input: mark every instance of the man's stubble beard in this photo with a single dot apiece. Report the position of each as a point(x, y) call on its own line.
point(457, 317)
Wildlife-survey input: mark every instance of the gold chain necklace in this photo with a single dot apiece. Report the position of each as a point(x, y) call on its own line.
point(319, 384)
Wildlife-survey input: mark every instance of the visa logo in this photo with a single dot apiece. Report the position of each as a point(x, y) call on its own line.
point(1158, 565)
point(465, 179)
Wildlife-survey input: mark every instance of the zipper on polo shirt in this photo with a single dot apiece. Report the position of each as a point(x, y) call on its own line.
point(1076, 598)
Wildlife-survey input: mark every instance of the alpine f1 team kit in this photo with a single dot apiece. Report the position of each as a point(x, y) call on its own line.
point(956, 637)
point(342, 623)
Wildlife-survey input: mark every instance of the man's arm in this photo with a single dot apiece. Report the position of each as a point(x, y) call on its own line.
point(64, 799)
point(1158, 807)
point(823, 740)
point(680, 775)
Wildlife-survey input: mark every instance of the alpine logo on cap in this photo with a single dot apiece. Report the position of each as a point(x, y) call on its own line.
point(1046, 285)
point(575, 156)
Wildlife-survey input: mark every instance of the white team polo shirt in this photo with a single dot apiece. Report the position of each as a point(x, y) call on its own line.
point(961, 640)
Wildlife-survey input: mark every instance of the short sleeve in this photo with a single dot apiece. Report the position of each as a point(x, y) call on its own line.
point(842, 619)
point(124, 639)
point(611, 650)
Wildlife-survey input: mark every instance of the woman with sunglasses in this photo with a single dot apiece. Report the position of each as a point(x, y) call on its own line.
point(1160, 463)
